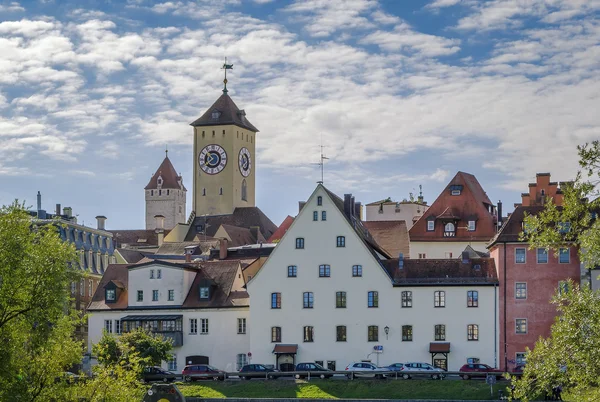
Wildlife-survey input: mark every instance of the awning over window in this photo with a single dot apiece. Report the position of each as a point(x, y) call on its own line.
point(281, 349)
point(152, 317)
point(439, 347)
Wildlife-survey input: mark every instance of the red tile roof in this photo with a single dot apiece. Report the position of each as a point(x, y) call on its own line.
point(283, 349)
point(136, 238)
point(442, 271)
point(512, 227)
point(285, 225)
point(439, 347)
point(392, 236)
point(471, 204)
point(170, 177)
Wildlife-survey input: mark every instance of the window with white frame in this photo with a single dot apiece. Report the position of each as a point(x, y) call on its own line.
point(155, 295)
point(472, 298)
point(292, 271)
point(193, 326)
point(521, 325)
point(324, 271)
point(108, 326)
point(118, 327)
point(520, 254)
point(308, 300)
point(173, 363)
point(373, 299)
point(521, 290)
point(151, 274)
point(542, 256)
point(407, 298)
point(430, 226)
point(204, 326)
point(299, 242)
point(357, 271)
point(564, 257)
point(140, 295)
point(171, 295)
point(241, 361)
point(439, 298)
point(241, 326)
point(520, 358)
point(440, 332)
point(159, 272)
point(471, 226)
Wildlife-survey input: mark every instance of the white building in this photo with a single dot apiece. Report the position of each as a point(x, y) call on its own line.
point(329, 294)
point(202, 307)
point(387, 210)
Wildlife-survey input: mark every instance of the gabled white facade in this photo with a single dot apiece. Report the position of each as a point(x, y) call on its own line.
point(220, 335)
point(320, 247)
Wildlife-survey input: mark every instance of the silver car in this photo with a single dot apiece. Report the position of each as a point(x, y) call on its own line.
point(365, 369)
point(421, 369)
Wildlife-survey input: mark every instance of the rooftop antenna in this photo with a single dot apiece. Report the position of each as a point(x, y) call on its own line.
point(226, 67)
point(321, 160)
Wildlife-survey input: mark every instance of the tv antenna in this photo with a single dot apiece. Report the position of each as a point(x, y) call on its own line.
point(322, 159)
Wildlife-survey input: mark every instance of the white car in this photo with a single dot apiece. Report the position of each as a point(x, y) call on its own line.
point(421, 369)
point(365, 369)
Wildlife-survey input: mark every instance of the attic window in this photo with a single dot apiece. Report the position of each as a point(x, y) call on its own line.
point(204, 292)
point(110, 295)
point(477, 267)
point(456, 189)
point(215, 114)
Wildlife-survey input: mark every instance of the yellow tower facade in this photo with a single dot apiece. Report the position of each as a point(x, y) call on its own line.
point(224, 159)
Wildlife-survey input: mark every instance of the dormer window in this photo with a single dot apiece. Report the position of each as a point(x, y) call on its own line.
point(110, 295)
point(449, 230)
point(204, 292)
point(159, 181)
point(215, 114)
point(471, 226)
point(456, 189)
point(430, 226)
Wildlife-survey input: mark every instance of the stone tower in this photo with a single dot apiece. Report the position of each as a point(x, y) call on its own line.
point(165, 196)
point(224, 162)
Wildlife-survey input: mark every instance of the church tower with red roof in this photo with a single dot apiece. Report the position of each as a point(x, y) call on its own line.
point(165, 197)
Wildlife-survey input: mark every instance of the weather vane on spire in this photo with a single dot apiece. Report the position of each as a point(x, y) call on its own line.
point(226, 67)
point(166, 151)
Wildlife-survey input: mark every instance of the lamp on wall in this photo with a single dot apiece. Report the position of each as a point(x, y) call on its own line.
point(387, 331)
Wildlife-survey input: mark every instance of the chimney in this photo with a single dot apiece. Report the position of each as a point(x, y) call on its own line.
point(301, 205)
point(401, 261)
point(499, 213)
point(222, 249)
point(39, 201)
point(465, 257)
point(352, 206)
point(68, 212)
point(254, 231)
point(188, 256)
point(57, 209)
point(159, 222)
point(100, 220)
point(348, 205)
point(358, 210)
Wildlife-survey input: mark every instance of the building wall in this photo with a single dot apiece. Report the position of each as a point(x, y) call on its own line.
point(440, 249)
point(81, 293)
point(395, 212)
point(320, 248)
point(222, 344)
point(176, 279)
point(232, 139)
point(542, 282)
point(171, 206)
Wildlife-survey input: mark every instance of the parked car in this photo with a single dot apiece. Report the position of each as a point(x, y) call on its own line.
point(250, 371)
point(195, 372)
point(365, 369)
point(158, 374)
point(478, 370)
point(315, 370)
point(395, 367)
point(412, 369)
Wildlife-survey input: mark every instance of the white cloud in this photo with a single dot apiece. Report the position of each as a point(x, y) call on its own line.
point(442, 3)
point(12, 7)
point(404, 39)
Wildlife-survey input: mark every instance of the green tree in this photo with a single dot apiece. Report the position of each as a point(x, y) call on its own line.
point(574, 223)
point(146, 349)
point(570, 357)
point(36, 327)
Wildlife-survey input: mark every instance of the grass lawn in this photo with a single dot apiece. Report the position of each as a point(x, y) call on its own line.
point(334, 389)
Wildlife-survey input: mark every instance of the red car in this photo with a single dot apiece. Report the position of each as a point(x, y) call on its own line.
point(478, 370)
point(195, 372)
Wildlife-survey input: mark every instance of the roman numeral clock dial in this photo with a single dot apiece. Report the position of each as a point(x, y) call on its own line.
point(212, 159)
point(245, 162)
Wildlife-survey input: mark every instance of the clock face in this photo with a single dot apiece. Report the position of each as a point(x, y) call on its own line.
point(212, 159)
point(245, 162)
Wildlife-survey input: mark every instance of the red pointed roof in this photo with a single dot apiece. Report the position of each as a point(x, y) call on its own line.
point(169, 176)
point(226, 112)
point(285, 225)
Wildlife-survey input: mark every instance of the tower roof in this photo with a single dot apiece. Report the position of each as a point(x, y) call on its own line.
point(228, 113)
point(169, 176)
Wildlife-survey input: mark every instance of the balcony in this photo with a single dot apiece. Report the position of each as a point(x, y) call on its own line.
point(169, 326)
point(175, 336)
point(449, 234)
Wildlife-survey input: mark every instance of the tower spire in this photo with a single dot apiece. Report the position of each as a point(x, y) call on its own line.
point(166, 151)
point(226, 67)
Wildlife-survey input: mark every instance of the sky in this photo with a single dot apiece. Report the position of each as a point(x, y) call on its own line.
point(399, 93)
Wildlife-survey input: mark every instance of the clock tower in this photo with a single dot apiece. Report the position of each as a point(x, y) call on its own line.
point(224, 162)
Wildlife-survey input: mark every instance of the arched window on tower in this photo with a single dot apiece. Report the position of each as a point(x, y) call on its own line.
point(244, 190)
